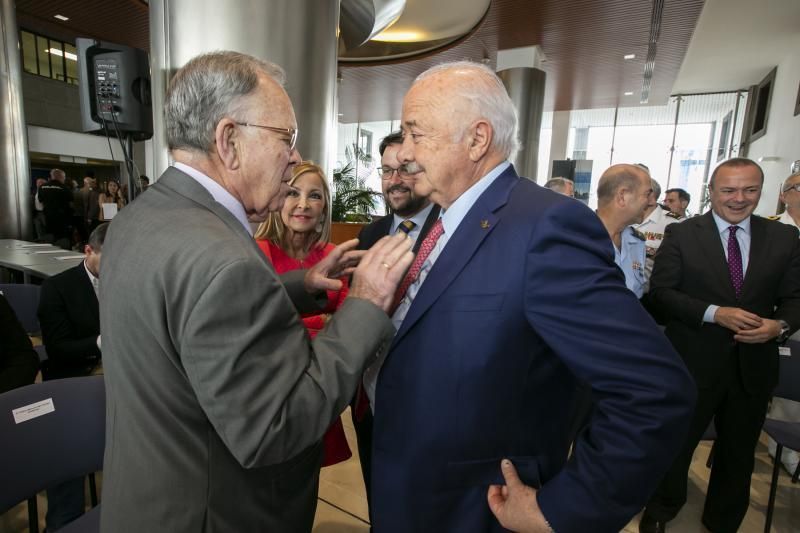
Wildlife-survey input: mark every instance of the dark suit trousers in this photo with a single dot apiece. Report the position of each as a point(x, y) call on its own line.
point(738, 417)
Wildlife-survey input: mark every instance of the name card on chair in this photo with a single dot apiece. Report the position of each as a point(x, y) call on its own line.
point(28, 412)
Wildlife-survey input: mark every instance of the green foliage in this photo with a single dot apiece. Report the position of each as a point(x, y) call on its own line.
point(352, 199)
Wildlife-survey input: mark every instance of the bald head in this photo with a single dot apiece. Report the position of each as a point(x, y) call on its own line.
point(617, 178)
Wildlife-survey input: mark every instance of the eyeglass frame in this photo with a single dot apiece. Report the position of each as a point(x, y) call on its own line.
point(291, 132)
point(796, 187)
point(401, 172)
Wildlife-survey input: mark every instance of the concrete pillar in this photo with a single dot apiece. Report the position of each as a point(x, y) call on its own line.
point(559, 139)
point(298, 35)
point(15, 206)
point(525, 82)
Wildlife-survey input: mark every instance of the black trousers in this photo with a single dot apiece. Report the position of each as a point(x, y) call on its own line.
point(738, 416)
point(363, 429)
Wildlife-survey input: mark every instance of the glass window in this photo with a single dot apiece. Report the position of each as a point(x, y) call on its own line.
point(49, 57)
point(28, 42)
point(43, 56)
point(56, 52)
point(71, 60)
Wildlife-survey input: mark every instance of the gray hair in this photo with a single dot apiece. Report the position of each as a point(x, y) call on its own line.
point(488, 99)
point(656, 188)
point(205, 90)
point(793, 176)
point(98, 237)
point(558, 184)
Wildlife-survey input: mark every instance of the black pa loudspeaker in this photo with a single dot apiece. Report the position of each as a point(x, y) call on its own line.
point(114, 89)
point(563, 169)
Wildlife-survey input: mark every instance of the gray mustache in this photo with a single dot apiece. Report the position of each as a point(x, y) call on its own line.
point(412, 167)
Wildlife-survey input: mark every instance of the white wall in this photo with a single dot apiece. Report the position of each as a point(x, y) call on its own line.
point(69, 143)
point(782, 140)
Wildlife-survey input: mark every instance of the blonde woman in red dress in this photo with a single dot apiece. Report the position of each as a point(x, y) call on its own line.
point(297, 238)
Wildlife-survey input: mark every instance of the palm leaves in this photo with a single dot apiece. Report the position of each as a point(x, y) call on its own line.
point(352, 199)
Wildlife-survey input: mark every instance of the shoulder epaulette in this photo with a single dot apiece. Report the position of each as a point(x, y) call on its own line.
point(638, 234)
point(672, 214)
point(773, 217)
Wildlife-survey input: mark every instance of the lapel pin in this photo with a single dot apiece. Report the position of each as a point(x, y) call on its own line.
point(484, 224)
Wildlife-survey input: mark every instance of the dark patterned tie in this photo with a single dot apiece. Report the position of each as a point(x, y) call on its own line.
point(735, 261)
point(407, 226)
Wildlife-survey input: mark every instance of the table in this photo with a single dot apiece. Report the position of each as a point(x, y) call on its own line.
point(38, 260)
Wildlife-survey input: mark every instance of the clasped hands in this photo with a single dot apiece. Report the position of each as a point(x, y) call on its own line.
point(376, 272)
point(748, 327)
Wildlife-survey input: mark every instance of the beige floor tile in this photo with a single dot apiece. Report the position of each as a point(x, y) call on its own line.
point(342, 484)
point(329, 519)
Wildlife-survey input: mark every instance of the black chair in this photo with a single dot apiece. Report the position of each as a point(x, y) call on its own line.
point(59, 444)
point(785, 434)
point(24, 300)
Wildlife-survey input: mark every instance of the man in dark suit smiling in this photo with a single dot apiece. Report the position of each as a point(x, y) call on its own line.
point(728, 284)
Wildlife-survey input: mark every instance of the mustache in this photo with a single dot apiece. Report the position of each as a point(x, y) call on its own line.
point(398, 188)
point(412, 168)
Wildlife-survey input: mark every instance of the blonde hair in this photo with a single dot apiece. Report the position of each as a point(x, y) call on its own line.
point(274, 230)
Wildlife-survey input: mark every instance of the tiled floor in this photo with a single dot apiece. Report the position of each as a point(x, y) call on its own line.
point(342, 506)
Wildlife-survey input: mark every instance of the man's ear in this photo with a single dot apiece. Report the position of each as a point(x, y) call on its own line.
point(620, 196)
point(481, 133)
point(227, 143)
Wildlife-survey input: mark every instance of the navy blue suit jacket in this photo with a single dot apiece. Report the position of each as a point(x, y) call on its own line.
point(523, 305)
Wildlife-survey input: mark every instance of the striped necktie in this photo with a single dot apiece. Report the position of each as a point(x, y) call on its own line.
point(407, 226)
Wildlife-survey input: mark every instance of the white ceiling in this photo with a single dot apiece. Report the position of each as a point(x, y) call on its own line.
point(439, 19)
point(737, 42)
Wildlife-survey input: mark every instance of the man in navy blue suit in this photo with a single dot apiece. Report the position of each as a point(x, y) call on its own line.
point(512, 307)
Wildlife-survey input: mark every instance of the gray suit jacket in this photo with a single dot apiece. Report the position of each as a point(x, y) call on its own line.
point(216, 398)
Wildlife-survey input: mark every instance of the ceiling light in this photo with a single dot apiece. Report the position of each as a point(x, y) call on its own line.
point(393, 36)
point(68, 55)
point(628, 93)
point(629, 56)
point(62, 17)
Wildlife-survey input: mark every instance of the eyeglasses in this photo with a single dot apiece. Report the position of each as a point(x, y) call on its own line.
point(291, 132)
point(796, 187)
point(387, 172)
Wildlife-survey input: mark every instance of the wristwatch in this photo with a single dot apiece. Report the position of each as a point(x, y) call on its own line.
point(784, 334)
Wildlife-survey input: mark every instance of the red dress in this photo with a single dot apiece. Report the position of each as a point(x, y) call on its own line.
point(335, 441)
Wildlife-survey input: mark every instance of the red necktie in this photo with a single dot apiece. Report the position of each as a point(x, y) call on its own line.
point(362, 401)
point(413, 272)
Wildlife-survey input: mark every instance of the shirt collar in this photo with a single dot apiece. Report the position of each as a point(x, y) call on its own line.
point(219, 194)
point(453, 215)
point(418, 219)
point(722, 225)
point(92, 277)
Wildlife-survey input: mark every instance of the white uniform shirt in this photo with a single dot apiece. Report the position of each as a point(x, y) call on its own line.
point(653, 229)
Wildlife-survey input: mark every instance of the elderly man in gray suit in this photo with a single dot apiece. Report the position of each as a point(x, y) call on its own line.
point(217, 399)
